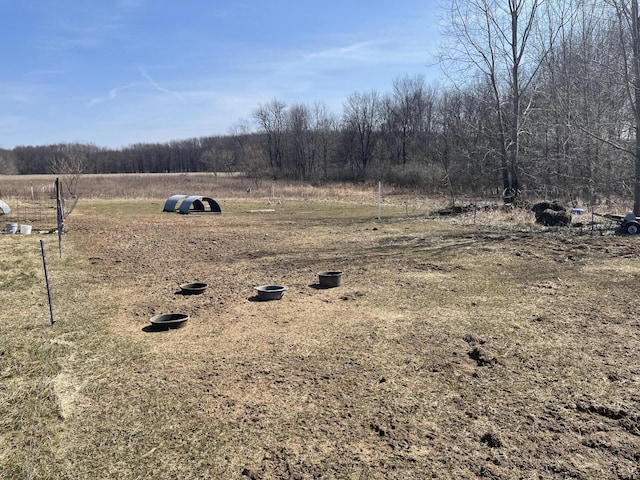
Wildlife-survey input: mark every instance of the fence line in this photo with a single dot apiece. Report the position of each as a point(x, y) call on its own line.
point(35, 208)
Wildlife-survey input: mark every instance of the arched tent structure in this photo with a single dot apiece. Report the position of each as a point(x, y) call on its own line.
point(191, 204)
point(4, 208)
point(171, 205)
point(198, 204)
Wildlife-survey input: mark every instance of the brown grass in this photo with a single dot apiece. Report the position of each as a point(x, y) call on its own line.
point(466, 347)
point(162, 185)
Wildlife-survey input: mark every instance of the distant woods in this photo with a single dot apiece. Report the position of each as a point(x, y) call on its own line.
point(540, 99)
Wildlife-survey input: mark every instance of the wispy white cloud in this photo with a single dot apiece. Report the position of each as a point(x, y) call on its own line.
point(195, 76)
point(18, 95)
point(389, 51)
point(113, 93)
point(155, 85)
point(330, 72)
point(356, 51)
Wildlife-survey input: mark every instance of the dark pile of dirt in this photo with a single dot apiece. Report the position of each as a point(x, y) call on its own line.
point(551, 214)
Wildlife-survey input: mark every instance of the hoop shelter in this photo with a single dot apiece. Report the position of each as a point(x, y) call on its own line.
point(197, 204)
point(4, 208)
point(171, 205)
point(191, 204)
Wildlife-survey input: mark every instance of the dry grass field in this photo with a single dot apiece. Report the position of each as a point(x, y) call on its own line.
point(468, 347)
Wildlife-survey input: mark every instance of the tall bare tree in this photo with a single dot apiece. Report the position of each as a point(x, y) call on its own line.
point(495, 39)
point(580, 108)
point(362, 128)
point(406, 112)
point(68, 161)
point(325, 127)
point(629, 30)
point(271, 119)
point(301, 145)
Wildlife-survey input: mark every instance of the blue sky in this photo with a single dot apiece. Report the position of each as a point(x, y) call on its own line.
point(117, 72)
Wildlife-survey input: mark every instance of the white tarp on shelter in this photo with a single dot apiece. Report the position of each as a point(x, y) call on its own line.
point(4, 208)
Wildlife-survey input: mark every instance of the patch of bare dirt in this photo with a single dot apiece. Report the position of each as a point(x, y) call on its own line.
point(446, 354)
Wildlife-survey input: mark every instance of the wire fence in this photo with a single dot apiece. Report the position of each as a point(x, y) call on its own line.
point(35, 208)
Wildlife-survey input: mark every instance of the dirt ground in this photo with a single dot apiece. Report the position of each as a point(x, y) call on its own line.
point(455, 348)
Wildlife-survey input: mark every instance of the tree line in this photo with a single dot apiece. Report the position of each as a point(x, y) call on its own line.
point(539, 98)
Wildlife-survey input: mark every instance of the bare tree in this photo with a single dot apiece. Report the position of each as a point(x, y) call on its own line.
point(626, 12)
point(254, 163)
point(325, 127)
point(494, 38)
point(362, 129)
point(8, 162)
point(301, 145)
point(271, 119)
point(68, 161)
point(579, 102)
point(451, 131)
point(240, 134)
point(406, 113)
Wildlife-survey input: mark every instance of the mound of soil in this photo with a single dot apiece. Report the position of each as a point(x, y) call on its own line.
point(551, 214)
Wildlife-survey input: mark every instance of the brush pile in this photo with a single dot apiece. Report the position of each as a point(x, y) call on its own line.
point(551, 214)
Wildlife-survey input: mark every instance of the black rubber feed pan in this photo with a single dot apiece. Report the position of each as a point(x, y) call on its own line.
point(193, 288)
point(166, 321)
point(270, 292)
point(330, 279)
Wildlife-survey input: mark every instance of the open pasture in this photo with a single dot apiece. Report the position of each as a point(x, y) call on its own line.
point(460, 347)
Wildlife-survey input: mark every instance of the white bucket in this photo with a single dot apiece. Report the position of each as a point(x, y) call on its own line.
point(12, 228)
point(25, 229)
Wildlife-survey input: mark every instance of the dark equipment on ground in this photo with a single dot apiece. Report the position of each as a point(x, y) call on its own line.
point(629, 223)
